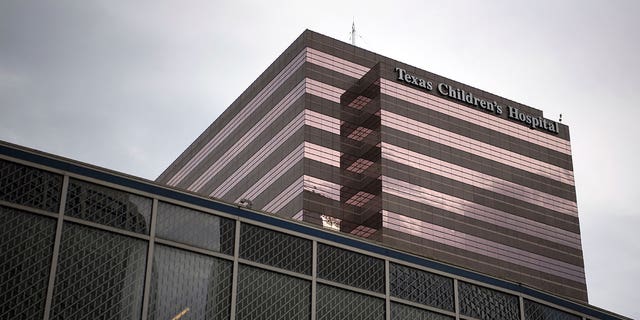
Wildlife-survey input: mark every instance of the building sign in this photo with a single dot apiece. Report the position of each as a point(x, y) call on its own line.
point(447, 90)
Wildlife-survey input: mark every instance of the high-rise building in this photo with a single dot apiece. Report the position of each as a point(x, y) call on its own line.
point(451, 203)
point(339, 136)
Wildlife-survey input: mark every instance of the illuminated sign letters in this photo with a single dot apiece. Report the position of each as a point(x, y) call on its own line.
point(447, 90)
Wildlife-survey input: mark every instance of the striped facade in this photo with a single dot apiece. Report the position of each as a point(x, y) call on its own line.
point(330, 134)
point(83, 242)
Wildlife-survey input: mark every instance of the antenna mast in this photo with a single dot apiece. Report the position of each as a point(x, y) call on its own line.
point(353, 32)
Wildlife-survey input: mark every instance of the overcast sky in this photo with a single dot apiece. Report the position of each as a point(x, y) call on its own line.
point(127, 85)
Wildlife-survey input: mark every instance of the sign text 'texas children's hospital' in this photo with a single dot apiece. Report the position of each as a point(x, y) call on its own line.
point(447, 90)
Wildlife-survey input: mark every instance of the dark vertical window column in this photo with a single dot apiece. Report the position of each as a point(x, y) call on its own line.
point(26, 248)
point(26, 239)
point(188, 281)
point(360, 160)
point(99, 273)
point(271, 294)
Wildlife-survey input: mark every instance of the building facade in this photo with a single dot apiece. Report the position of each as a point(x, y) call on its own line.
point(339, 136)
point(82, 242)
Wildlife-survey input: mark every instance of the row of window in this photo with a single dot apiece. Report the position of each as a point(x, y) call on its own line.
point(102, 274)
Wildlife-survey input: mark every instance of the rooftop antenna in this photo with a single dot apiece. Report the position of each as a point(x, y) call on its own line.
point(352, 35)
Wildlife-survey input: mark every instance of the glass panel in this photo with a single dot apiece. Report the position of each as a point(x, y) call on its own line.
point(339, 304)
point(275, 249)
point(100, 275)
point(484, 303)
point(537, 311)
point(196, 228)
point(421, 287)
point(269, 295)
point(194, 285)
point(401, 311)
point(26, 246)
point(108, 206)
point(29, 186)
point(350, 268)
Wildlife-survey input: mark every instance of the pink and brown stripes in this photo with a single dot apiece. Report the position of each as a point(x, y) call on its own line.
point(236, 121)
point(455, 205)
point(479, 148)
point(477, 179)
point(453, 238)
point(464, 113)
point(314, 87)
